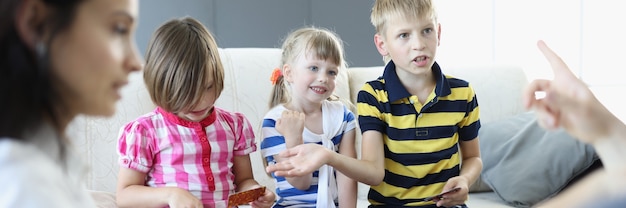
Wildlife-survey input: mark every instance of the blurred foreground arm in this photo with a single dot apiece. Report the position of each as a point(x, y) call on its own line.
point(570, 104)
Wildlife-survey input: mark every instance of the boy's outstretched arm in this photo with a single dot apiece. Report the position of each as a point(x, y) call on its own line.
point(306, 158)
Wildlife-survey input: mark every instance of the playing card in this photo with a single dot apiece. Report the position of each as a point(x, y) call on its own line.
point(245, 197)
point(438, 196)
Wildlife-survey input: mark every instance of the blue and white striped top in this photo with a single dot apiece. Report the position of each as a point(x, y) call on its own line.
point(273, 142)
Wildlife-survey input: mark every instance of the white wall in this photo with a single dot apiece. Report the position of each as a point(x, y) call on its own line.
point(590, 35)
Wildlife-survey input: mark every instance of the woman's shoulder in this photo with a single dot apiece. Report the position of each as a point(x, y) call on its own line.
point(12, 151)
point(36, 180)
point(23, 162)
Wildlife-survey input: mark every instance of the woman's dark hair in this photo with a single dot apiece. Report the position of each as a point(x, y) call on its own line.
point(27, 92)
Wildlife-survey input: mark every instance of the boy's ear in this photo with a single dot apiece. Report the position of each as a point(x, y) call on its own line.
point(380, 45)
point(438, 34)
point(29, 19)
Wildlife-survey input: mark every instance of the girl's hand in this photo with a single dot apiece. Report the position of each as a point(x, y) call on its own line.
point(457, 197)
point(265, 201)
point(291, 125)
point(182, 198)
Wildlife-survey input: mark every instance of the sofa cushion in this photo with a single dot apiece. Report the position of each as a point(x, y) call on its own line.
point(524, 164)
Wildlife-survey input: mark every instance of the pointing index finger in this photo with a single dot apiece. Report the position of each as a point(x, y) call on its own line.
point(559, 68)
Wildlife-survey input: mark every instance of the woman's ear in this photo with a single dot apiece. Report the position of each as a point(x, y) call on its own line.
point(29, 21)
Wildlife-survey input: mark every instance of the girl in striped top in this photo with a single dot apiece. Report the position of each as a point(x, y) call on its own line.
point(305, 113)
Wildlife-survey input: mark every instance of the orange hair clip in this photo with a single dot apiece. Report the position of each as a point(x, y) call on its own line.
point(275, 75)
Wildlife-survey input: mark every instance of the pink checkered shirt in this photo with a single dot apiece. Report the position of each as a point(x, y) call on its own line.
point(197, 156)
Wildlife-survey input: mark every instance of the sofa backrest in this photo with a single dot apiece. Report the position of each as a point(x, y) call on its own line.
point(498, 87)
point(247, 89)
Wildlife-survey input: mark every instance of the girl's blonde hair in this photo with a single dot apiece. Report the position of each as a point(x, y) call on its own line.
point(182, 61)
point(323, 43)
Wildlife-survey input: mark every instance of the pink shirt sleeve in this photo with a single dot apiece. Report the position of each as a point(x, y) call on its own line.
point(135, 147)
point(244, 135)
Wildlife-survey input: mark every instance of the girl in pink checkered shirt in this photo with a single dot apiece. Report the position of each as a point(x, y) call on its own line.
point(187, 152)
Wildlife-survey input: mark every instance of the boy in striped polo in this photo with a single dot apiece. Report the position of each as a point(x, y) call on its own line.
point(426, 121)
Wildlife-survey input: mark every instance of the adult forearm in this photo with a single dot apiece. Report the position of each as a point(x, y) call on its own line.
point(585, 191)
point(612, 148)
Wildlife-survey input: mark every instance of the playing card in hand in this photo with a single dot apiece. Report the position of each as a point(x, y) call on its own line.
point(245, 197)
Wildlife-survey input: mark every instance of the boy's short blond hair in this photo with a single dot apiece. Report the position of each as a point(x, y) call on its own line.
point(385, 10)
point(182, 62)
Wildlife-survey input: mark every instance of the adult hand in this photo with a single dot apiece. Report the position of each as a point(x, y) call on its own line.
point(568, 102)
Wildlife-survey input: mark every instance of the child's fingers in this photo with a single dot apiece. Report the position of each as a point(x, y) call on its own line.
point(266, 200)
point(451, 199)
point(279, 169)
point(267, 196)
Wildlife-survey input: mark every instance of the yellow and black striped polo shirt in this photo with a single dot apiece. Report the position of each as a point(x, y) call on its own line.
point(420, 140)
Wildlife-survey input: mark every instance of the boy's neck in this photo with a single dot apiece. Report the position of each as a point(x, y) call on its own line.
point(420, 85)
point(416, 81)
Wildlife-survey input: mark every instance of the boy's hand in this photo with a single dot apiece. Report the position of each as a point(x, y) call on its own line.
point(182, 198)
point(300, 160)
point(265, 201)
point(457, 197)
point(291, 125)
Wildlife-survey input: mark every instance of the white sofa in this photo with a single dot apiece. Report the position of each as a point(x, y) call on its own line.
point(247, 89)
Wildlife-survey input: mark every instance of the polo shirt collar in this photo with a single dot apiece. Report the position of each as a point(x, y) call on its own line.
point(396, 91)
